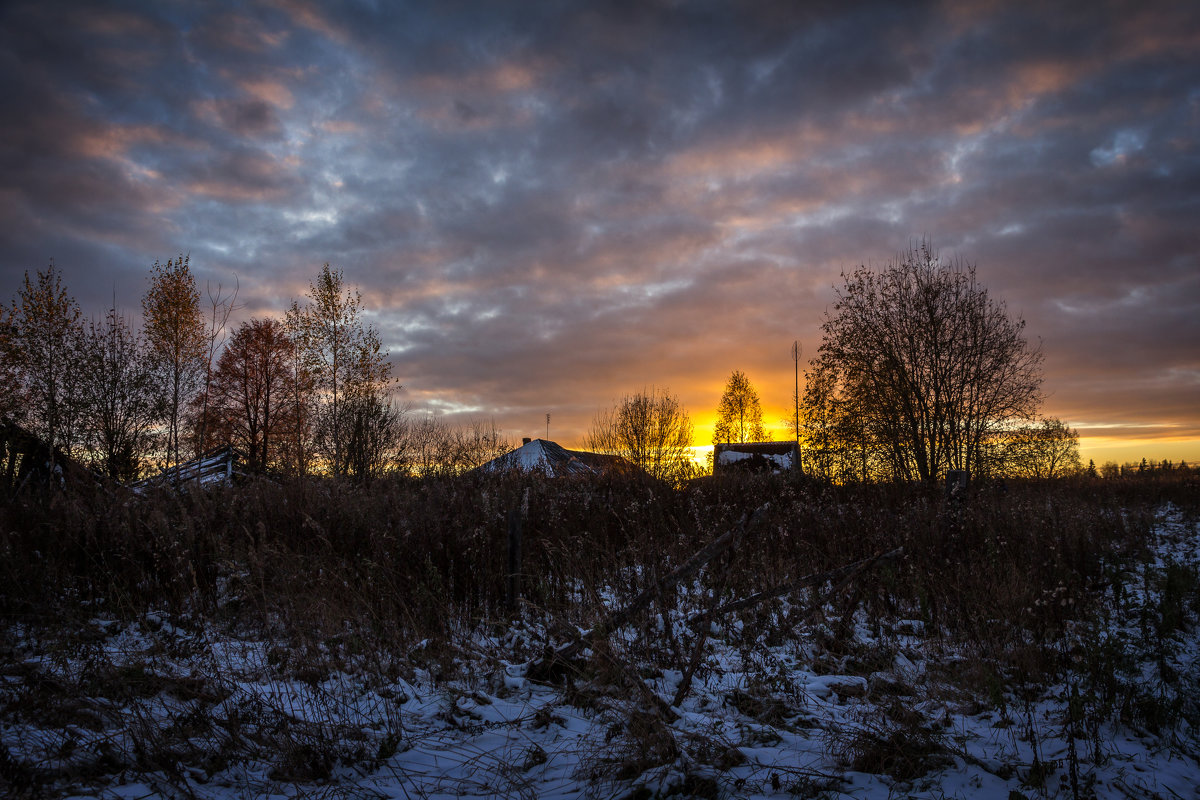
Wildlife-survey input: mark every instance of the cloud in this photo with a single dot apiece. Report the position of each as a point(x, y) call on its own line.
point(549, 206)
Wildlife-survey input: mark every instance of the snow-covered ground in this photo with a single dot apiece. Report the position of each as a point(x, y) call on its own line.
point(164, 709)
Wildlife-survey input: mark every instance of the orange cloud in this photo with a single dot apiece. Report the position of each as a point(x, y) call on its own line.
point(340, 126)
point(269, 91)
point(310, 15)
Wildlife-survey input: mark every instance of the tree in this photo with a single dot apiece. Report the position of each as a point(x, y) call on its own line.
point(739, 414)
point(427, 447)
point(119, 396)
point(932, 364)
point(346, 363)
point(12, 393)
point(175, 335)
point(1045, 449)
point(220, 306)
point(250, 404)
point(651, 430)
point(478, 442)
point(834, 434)
point(431, 446)
point(295, 447)
point(44, 338)
point(374, 426)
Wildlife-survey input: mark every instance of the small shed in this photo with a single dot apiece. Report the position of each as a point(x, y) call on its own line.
point(754, 457)
point(217, 467)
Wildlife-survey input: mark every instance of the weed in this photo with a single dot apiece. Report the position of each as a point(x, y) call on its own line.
point(341, 585)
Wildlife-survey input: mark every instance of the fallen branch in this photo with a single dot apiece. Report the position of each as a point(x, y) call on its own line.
point(685, 682)
point(620, 617)
point(846, 573)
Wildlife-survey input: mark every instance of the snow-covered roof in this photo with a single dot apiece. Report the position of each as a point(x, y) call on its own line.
point(551, 458)
point(775, 456)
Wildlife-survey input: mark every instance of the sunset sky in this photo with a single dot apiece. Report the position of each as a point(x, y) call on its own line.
point(549, 205)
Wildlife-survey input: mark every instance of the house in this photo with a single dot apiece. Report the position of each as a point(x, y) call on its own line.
point(554, 460)
point(754, 457)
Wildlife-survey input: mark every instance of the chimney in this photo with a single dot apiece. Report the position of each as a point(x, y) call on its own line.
point(526, 440)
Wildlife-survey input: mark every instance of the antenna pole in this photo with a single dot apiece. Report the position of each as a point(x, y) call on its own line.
point(797, 349)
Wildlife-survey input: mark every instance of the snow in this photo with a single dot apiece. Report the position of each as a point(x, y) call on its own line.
point(542, 456)
point(780, 726)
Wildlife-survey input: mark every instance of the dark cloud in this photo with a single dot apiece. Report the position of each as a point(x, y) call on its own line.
point(549, 205)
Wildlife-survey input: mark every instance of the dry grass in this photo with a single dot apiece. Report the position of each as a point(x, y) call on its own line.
point(381, 580)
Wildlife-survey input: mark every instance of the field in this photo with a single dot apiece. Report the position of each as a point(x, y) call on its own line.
point(321, 639)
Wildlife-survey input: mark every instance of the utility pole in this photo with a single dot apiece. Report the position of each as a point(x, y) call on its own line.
point(547, 426)
point(797, 349)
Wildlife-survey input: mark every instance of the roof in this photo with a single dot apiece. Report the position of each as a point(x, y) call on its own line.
point(763, 448)
point(214, 467)
point(551, 458)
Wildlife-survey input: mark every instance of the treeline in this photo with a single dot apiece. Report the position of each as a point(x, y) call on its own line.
point(310, 391)
point(1143, 469)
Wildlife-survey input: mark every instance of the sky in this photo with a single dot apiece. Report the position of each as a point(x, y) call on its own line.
point(548, 206)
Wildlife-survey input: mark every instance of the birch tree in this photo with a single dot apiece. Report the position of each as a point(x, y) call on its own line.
point(739, 414)
point(348, 368)
point(220, 306)
point(175, 335)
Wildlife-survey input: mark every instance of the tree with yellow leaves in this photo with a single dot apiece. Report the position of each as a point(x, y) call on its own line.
point(739, 414)
point(345, 363)
point(43, 334)
point(175, 335)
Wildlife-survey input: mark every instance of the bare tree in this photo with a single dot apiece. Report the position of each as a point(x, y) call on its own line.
point(119, 396)
point(480, 441)
point(651, 430)
point(426, 447)
point(739, 414)
point(930, 363)
point(220, 307)
point(373, 429)
point(432, 446)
